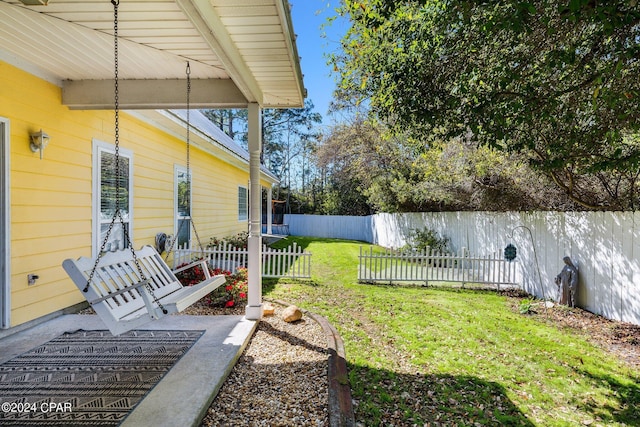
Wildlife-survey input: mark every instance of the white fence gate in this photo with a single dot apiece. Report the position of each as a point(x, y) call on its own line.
point(431, 266)
point(292, 262)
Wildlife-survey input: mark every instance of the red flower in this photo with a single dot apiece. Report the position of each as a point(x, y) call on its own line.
point(229, 288)
point(242, 295)
point(229, 303)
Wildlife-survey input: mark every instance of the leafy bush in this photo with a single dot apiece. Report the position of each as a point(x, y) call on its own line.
point(237, 241)
point(234, 291)
point(420, 240)
point(191, 276)
point(214, 242)
point(526, 307)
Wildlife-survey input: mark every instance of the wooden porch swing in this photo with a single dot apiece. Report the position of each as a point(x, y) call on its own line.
point(129, 288)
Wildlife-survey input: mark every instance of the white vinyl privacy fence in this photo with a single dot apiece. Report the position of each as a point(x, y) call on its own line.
point(392, 266)
point(605, 246)
point(293, 261)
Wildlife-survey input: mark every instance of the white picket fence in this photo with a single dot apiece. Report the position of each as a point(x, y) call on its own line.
point(430, 266)
point(292, 262)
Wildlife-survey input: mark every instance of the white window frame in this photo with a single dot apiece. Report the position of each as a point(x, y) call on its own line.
point(178, 172)
point(243, 214)
point(100, 147)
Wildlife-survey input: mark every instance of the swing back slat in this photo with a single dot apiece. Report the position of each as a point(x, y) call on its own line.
point(121, 297)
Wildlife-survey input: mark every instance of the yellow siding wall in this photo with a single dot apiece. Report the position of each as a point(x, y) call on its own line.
point(51, 210)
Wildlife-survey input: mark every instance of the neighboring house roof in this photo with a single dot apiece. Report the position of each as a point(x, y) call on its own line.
point(204, 134)
point(240, 51)
point(199, 122)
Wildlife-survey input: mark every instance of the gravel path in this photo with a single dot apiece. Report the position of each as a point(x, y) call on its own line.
point(280, 379)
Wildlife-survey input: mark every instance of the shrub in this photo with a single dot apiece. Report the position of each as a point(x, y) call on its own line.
point(526, 307)
point(237, 241)
point(214, 242)
point(191, 276)
point(233, 292)
point(420, 240)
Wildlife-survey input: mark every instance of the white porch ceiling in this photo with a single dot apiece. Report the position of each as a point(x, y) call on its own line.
point(239, 51)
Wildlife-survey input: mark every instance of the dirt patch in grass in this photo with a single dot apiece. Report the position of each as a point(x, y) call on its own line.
point(619, 338)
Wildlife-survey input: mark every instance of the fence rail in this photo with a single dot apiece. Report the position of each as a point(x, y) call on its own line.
point(292, 262)
point(431, 266)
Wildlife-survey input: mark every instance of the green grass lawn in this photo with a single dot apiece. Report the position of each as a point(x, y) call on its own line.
point(439, 356)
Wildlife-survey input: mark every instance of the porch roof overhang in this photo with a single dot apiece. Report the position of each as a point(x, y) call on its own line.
point(240, 51)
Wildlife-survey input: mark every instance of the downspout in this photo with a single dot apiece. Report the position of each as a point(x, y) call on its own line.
point(5, 226)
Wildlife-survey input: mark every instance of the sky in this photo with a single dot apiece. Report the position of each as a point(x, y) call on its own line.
point(314, 42)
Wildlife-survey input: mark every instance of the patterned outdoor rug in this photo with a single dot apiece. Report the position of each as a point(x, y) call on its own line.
point(87, 378)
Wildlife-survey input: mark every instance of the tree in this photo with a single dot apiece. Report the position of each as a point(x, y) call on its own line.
point(367, 170)
point(350, 160)
point(288, 136)
point(554, 80)
point(233, 122)
point(459, 175)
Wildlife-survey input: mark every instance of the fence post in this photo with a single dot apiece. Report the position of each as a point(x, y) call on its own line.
point(425, 269)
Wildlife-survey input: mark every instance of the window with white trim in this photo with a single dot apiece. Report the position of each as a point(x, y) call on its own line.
point(243, 203)
point(104, 196)
point(182, 191)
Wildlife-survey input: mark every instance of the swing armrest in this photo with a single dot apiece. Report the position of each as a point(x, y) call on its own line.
point(201, 262)
point(178, 301)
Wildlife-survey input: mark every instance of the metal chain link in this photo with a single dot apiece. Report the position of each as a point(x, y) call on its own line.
point(101, 251)
point(189, 133)
point(198, 239)
point(193, 224)
point(118, 212)
point(175, 239)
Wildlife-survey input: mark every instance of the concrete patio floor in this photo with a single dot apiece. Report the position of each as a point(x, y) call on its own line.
point(199, 374)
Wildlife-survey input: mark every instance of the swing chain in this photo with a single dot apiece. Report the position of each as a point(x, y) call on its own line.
point(193, 226)
point(198, 240)
point(175, 239)
point(188, 132)
point(101, 251)
point(118, 213)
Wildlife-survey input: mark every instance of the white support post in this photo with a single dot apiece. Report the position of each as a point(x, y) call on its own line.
point(254, 303)
point(269, 211)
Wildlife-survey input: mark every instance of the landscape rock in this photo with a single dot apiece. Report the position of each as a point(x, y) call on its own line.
point(291, 314)
point(268, 309)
